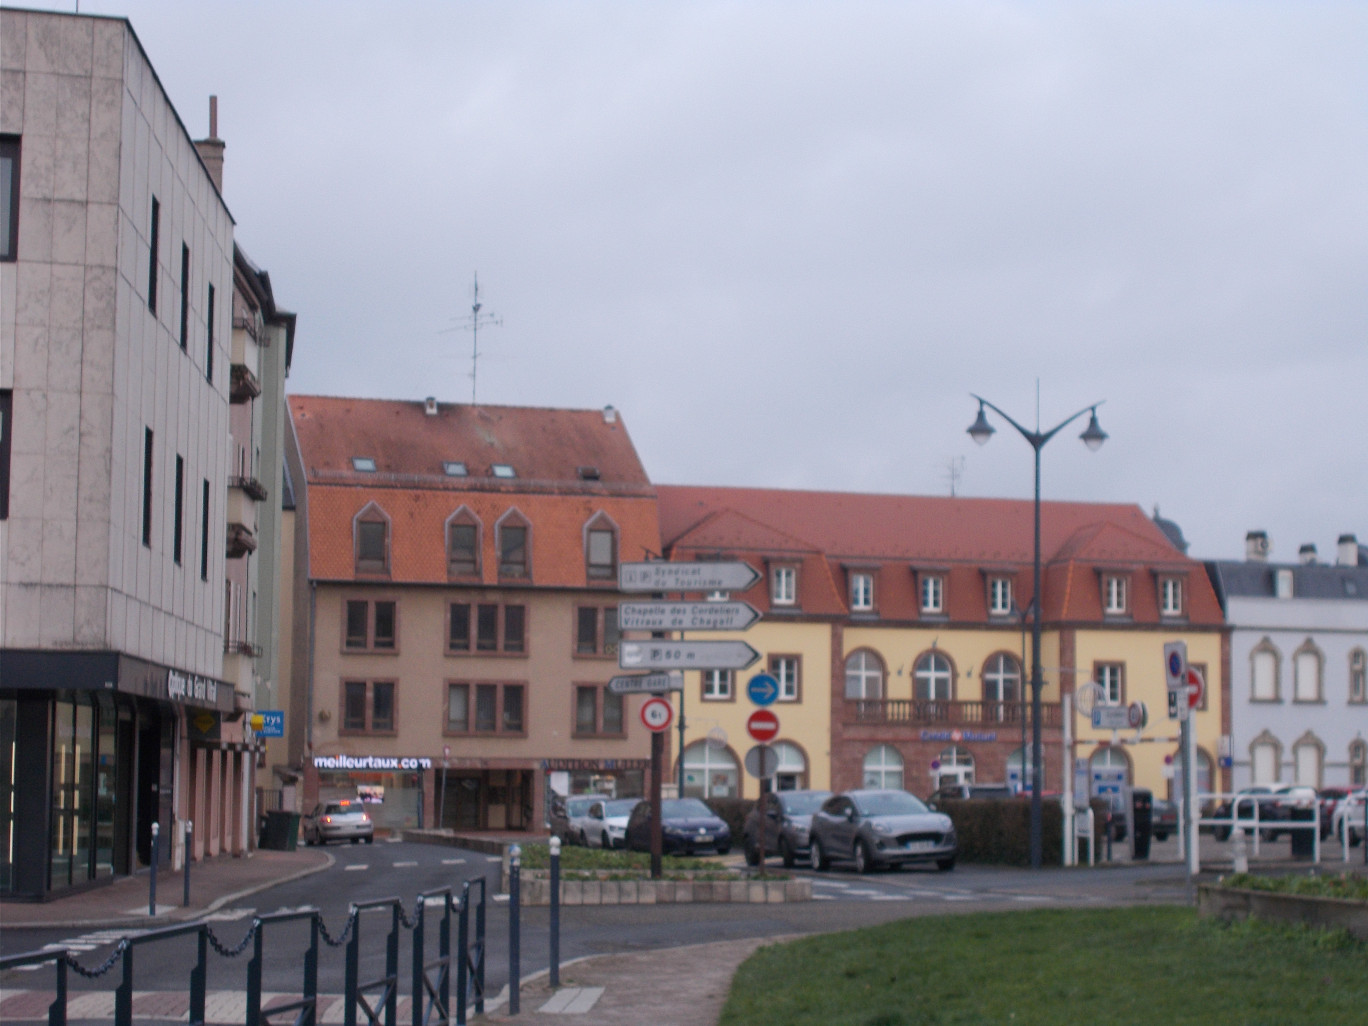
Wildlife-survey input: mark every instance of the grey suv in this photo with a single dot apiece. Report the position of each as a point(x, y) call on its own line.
point(785, 816)
point(881, 828)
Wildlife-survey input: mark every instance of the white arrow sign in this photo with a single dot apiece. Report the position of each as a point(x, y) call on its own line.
point(686, 616)
point(664, 576)
point(655, 683)
point(685, 655)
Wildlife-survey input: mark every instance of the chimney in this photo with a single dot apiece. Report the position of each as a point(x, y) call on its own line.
point(609, 415)
point(1346, 553)
point(1307, 554)
point(211, 149)
point(430, 406)
point(1257, 546)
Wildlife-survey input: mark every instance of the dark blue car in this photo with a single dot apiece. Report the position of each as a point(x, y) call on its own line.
point(688, 827)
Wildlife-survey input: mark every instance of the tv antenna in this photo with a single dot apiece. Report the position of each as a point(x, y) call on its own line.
point(473, 324)
point(952, 471)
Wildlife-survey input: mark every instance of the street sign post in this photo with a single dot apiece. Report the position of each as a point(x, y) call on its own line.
point(1196, 686)
point(657, 714)
point(762, 726)
point(648, 683)
point(686, 616)
point(762, 689)
point(694, 576)
point(1110, 717)
point(762, 762)
point(685, 655)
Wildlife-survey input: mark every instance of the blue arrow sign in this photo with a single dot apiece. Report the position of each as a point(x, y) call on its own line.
point(762, 689)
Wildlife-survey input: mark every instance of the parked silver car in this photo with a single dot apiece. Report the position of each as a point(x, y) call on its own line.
point(786, 816)
point(881, 828)
point(342, 820)
point(607, 822)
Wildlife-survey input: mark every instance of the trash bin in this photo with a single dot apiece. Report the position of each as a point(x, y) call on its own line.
point(280, 832)
point(1142, 808)
point(1303, 838)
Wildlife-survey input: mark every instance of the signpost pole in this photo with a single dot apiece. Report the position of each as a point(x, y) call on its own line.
point(679, 793)
point(657, 759)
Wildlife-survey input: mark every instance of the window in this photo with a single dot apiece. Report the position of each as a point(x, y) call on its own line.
point(204, 532)
point(185, 297)
point(1307, 756)
point(862, 592)
point(498, 708)
point(209, 336)
point(147, 489)
point(864, 673)
point(1263, 673)
point(153, 242)
point(6, 417)
point(598, 711)
point(1358, 660)
point(1264, 757)
point(490, 626)
point(933, 678)
point(784, 585)
point(512, 550)
point(1001, 679)
point(710, 772)
point(370, 625)
point(9, 198)
point(1111, 678)
point(179, 514)
point(933, 594)
point(503, 470)
point(600, 555)
point(368, 706)
point(596, 631)
point(1114, 597)
point(999, 596)
point(454, 468)
point(1170, 596)
point(883, 767)
point(791, 774)
point(372, 541)
point(785, 670)
point(1306, 674)
point(363, 464)
point(1358, 763)
point(463, 545)
point(717, 685)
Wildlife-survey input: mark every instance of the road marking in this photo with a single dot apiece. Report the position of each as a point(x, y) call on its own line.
point(493, 858)
point(453, 862)
point(405, 865)
point(355, 867)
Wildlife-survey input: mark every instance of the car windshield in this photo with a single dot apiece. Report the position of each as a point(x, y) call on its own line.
point(803, 804)
point(341, 810)
point(579, 806)
point(889, 803)
point(621, 806)
point(683, 808)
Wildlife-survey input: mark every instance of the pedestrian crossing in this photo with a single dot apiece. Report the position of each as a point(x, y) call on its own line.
point(841, 890)
point(221, 1007)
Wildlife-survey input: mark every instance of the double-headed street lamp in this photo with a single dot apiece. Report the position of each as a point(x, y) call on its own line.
point(1093, 437)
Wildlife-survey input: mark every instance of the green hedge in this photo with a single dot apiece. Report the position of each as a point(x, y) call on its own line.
point(733, 812)
point(998, 831)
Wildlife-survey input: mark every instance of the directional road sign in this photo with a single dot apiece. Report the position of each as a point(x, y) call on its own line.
point(685, 655)
point(1110, 717)
point(693, 576)
point(762, 725)
point(657, 714)
point(686, 616)
point(762, 689)
point(762, 761)
point(650, 683)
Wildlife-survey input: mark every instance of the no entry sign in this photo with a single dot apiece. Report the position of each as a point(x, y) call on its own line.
point(763, 726)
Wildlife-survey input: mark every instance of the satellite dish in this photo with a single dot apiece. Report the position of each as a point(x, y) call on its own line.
point(717, 739)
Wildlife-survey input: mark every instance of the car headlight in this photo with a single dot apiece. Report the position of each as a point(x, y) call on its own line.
point(880, 828)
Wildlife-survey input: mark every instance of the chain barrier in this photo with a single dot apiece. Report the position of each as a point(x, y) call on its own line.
point(346, 931)
point(405, 921)
point(95, 974)
point(228, 952)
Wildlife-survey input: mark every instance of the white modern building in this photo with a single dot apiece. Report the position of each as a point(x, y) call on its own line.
point(1298, 665)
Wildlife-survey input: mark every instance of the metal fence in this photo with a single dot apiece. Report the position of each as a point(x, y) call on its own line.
point(375, 999)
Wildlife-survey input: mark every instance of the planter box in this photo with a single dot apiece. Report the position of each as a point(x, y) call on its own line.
point(536, 890)
point(1229, 903)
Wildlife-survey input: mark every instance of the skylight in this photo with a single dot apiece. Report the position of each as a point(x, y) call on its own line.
point(502, 470)
point(365, 464)
point(454, 468)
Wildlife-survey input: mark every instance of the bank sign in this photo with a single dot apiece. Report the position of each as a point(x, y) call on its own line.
point(959, 735)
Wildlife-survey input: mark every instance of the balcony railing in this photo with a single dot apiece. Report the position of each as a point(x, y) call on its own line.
point(927, 712)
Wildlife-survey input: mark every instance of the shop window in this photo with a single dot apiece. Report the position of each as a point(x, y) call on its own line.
point(596, 631)
point(717, 686)
point(710, 772)
point(369, 707)
point(786, 670)
point(371, 626)
point(598, 711)
point(486, 627)
point(486, 708)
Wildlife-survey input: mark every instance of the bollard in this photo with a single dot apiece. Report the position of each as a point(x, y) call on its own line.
point(189, 838)
point(1239, 852)
point(555, 911)
point(152, 876)
point(514, 901)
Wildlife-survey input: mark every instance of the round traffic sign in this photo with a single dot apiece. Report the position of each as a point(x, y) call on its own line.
point(762, 725)
point(762, 762)
point(657, 714)
point(762, 689)
point(1195, 686)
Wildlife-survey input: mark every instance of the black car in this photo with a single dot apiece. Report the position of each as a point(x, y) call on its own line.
point(687, 827)
point(881, 828)
point(786, 816)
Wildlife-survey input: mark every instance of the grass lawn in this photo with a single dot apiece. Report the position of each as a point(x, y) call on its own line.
point(1134, 965)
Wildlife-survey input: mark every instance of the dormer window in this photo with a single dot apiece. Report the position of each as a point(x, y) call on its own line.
point(999, 596)
point(504, 470)
point(1115, 595)
point(463, 544)
point(784, 585)
point(600, 550)
point(454, 468)
point(363, 464)
point(371, 540)
point(933, 594)
point(1171, 596)
point(513, 548)
point(862, 592)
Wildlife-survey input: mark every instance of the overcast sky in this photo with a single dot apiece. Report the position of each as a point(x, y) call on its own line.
point(788, 240)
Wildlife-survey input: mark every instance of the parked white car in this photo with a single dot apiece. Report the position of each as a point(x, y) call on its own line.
point(607, 822)
point(1350, 807)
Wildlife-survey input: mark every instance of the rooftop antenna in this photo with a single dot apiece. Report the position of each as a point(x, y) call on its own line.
point(473, 324)
point(953, 471)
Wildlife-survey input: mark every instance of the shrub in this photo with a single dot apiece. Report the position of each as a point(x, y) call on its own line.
point(733, 812)
point(998, 830)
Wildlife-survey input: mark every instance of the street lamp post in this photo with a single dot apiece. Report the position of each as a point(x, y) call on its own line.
point(1093, 437)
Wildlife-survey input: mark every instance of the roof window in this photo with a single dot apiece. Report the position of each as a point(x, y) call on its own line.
point(364, 464)
point(588, 473)
point(503, 470)
point(454, 468)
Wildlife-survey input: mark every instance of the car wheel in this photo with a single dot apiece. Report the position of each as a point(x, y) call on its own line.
point(1353, 838)
point(786, 853)
point(607, 844)
point(864, 858)
point(356, 840)
point(945, 865)
point(752, 852)
point(583, 839)
point(370, 839)
point(820, 862)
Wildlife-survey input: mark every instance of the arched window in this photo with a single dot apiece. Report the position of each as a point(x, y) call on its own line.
point(864, 675)
point(1263, 673)
point(600, 549)
point(792, 772)
point(883, 767)
point(1308, 756)
point(463, 544)
point(515, 545)
point(1358, 763)
point(710, 772)
point(1002, 679)
point(1265, 758)
point(1358, 676)
point(371, 538)
point(933, 678)
point(1306, 673)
